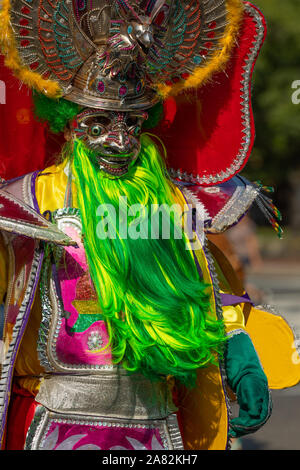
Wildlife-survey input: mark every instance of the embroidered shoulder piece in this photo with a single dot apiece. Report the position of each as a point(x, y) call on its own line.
point(19, 218)
point(223, 205)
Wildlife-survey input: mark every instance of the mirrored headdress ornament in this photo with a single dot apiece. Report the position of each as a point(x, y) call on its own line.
point(117, 54)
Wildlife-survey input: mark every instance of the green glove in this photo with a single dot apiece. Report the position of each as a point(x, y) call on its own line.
point(248, 381)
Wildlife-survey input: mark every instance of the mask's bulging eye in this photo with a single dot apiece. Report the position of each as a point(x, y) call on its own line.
point(95, 130)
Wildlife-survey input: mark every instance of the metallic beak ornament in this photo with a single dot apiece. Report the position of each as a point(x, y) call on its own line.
point(113, 137)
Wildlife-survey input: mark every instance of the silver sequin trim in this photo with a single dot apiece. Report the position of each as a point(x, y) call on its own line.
point(245, 112)
point(41, 424)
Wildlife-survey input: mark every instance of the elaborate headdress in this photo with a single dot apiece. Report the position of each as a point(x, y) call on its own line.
point(117, 53)
point(127, 54)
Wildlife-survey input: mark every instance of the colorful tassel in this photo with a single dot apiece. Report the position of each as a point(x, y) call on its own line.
point(268, 208)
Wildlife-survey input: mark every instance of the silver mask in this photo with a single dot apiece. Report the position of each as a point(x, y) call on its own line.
point(113, 136)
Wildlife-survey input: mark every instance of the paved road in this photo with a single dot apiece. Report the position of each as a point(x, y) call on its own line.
point(280, 283)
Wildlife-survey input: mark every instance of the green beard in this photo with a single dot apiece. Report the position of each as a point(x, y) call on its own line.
point(155, 305)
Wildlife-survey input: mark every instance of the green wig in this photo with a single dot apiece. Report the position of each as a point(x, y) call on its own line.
point(156, 305)
point(58, 112)
point(155, 115)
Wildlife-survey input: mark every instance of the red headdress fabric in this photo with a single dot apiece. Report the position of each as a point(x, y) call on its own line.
point(210, 134)
point(22, 139)
point(25, 145)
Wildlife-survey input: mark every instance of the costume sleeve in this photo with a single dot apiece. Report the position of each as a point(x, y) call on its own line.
point(247, 379)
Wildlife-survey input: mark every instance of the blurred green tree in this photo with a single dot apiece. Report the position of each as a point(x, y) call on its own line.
point(275, 159)
point(276, 151)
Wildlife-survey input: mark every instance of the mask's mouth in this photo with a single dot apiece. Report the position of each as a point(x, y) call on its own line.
point(116, 165)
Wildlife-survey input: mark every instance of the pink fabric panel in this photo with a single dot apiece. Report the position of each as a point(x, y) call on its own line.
point(66, 436)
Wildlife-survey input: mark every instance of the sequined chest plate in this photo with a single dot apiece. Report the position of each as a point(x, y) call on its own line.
point(84, 401)
point(73, 334)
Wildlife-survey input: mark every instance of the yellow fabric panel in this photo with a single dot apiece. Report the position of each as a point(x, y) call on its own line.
point(274, 342)
point(27, 363)
point(8, 334)
point(198, 251)
point(50, 193)
point(233, 318)
point(202, 412)
point(223, 281)
point(3, 269)
point(227, 277)
point(51, 187)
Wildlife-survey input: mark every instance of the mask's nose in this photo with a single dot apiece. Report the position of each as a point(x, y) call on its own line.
point(118, 139)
